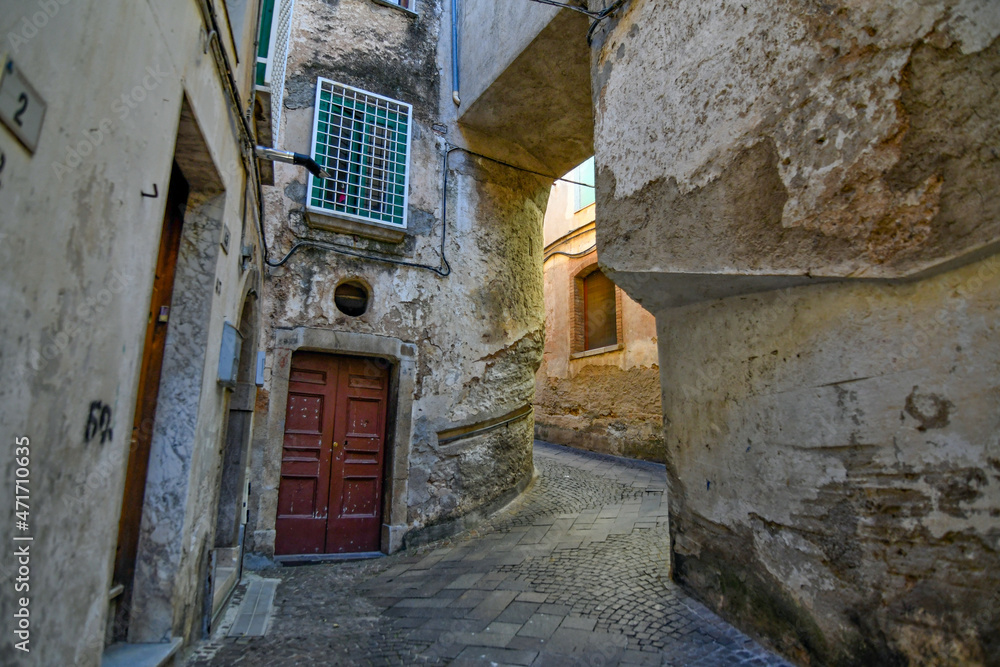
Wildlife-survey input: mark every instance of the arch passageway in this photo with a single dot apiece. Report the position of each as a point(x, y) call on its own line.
point(574, 572)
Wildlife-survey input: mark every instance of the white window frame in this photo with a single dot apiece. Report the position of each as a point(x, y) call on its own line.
point(583, 173)
point(321, 160)
point(395, 4)
point(272, 41)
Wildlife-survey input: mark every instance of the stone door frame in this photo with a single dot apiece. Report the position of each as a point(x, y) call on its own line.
point(401, 356)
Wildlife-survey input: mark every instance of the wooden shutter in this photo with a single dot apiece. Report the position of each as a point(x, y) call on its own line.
point(599, 313)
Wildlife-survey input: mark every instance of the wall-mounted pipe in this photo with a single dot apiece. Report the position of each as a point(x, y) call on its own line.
point(454, 54)
point(274, 155)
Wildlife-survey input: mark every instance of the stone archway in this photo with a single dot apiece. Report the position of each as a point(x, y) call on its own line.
point(401, 359)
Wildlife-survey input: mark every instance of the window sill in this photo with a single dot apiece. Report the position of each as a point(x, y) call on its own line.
point(333, 223)
point(387, 3)
point(597, 350)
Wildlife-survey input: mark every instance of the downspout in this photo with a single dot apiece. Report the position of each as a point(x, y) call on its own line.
point(454, 54)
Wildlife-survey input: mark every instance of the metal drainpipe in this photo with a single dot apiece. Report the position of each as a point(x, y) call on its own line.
point(454, 54)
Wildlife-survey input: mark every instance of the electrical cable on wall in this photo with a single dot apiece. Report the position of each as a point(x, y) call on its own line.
point(595, 16)
point(571, 255)
point(443, 269)
point(514, 166)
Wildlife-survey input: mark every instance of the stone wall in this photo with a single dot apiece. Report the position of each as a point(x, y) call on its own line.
point(602, 409)
point(476, 334)
point(832, 447)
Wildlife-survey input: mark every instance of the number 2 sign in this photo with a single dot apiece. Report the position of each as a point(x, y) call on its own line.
point(22, 109)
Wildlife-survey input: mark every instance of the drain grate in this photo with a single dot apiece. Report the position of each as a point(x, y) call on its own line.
point(254, 613)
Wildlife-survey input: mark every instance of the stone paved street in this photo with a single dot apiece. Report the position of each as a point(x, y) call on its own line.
point(572, 573)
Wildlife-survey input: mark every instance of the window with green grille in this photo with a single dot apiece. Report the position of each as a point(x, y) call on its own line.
point(362, 141)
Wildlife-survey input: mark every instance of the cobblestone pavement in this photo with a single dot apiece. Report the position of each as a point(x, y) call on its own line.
point(574, 572)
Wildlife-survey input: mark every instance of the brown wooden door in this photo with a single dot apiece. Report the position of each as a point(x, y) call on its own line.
point(157, 320)
point(330, 496)
point(600, 318)
point(355, 522)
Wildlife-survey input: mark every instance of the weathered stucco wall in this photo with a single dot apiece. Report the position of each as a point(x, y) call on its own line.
point(508, 28)
point(79, 243)
point(832, 448)
point(607, 402)
point(476, 334)
point(846, 139)
point(834, 455)
point(536, 112)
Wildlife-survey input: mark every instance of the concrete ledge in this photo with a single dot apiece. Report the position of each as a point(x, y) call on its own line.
point(540, 99)
point(617, 347)
point(405, 10)
point(140, 655)
point(471, 519)
point(469, 430)
point(660, 290)
point(332, 223)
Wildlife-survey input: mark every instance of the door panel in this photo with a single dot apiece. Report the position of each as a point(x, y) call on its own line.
point(356, 494)
point(305, 457)
point(330, 498)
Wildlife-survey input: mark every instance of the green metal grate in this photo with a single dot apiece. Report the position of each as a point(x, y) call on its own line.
point(362, 141)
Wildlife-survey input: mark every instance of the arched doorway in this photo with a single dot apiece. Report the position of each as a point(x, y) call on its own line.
point(231, 514)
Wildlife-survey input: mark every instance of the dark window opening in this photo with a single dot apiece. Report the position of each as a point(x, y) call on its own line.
point(351, 299)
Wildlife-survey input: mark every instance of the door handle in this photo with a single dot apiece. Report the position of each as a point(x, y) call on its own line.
point(336, 444)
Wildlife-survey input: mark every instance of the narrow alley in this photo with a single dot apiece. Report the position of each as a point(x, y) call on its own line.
point(325, 322)
point(574, 572)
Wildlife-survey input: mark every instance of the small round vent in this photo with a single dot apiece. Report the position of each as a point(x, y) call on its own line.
point(351, 298)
